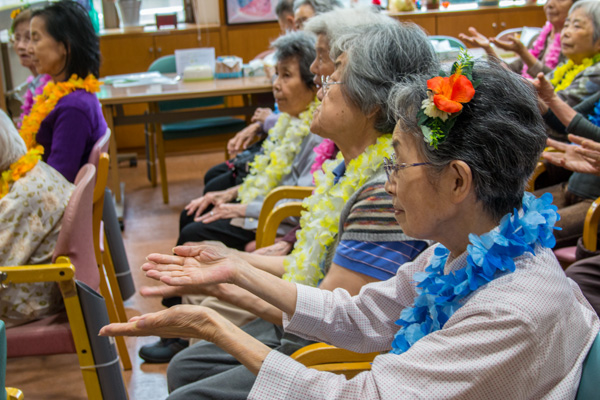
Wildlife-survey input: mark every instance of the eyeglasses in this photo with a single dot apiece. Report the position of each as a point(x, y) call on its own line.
point(390, 166)
point(326, 82)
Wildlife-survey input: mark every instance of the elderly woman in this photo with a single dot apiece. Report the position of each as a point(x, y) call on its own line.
point(543, 55)
point(306, 9)
point(20, 39)
point(67, 120)
point(33, 197)
point(348, 236)
point(486, 306)
point(579, 77)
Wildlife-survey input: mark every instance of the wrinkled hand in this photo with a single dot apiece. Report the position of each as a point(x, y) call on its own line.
point(197, 206)
point(261, 114)
point(512, 43)
point(179, 321)
point(223, 211)
point(475, 39)
point(242, 139)
point(584, 158)
point(194, 266)
point(544, 89)
point(278, 249)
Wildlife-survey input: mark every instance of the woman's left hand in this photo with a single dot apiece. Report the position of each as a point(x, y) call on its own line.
point(544, 88)
point(512, 43)
point(223, 211)
point(181, 321)
point(584, 159)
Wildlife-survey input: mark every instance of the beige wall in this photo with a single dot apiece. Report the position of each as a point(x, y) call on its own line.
point(207, 12)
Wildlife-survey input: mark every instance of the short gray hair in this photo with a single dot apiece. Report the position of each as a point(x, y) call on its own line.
point(592, 10)
point(500, 134)
point(378, 57)
point(320, 6)
point(284, 7)
point(12, 146)
point(334, 23)
point(301, 47)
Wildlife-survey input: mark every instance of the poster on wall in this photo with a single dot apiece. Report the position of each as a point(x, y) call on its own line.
point(250, 11)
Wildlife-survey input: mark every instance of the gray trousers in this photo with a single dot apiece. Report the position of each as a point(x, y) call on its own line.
point(204, 371)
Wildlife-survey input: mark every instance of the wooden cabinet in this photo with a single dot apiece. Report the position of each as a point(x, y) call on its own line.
point(248, 41)
point(425, 21)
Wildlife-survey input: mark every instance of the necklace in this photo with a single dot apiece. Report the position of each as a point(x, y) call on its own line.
point(489, 255)
point(277, 154)
point(553, 53)
point(31, 95)
point(30, 126)
point(320, 224)
point(566, 73)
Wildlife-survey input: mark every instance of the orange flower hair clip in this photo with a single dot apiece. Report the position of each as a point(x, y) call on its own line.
point(445, 99)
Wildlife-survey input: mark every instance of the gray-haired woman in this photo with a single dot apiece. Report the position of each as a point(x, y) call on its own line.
point(33, 197)
point(488, 319)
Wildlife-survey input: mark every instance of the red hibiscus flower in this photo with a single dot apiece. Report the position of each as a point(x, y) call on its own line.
point(449, 93)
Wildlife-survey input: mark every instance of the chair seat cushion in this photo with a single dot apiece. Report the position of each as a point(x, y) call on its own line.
point(202, 127)
point(566, 254)
point(51, 335)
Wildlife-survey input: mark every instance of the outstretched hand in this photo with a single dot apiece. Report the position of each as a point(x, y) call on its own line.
point(475, 39)
point(194, 266)
point(511, 43)
point(185, 321)
point(584, 158)
point(544, 89)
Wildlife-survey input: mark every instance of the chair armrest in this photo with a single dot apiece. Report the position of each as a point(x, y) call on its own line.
point(62, 271)
point(540, 168)
point(590, 226)
point(350, 370)
point(269, 231)
point(321, 353)
point(282, 192)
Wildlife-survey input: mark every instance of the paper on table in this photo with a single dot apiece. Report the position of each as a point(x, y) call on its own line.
point(139, 79)
point(201, 56)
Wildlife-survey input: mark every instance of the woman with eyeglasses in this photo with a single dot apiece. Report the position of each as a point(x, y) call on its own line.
point(20, 39)
point(485, 314)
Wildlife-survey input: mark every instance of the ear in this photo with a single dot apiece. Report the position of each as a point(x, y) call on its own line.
point(597, 46)
point(459, 180)
point(289, 19)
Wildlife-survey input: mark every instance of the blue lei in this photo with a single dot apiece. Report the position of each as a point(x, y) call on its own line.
point(489, 255)
point(595, 116)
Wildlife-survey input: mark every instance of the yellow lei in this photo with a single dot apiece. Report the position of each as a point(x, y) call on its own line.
point(278, 153)
point(566, 73)
point(320, 224)
point(43, 105)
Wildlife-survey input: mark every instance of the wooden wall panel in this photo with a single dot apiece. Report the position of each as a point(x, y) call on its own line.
point(427, 22)
point(247, 41)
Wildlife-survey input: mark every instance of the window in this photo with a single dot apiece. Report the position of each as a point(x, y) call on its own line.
point(149, 9)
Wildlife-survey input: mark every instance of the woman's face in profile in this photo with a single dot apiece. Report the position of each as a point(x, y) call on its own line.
point(48, 55)
point(21, 42)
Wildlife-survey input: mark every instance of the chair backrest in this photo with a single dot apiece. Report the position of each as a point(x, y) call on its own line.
point(75, 237)
point(455, 43)
point(101, 146)
point(526, 34)
point(588, 385)
point(166, 20)
point(167, 65)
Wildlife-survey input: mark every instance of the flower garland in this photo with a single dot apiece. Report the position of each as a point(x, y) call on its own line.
point(278, 153)
point(325, 151)
point(553, 53)
point(566, 73)
point(489, 255)
point(44, 104)
point(594, 117)
point(445, 98)
point(30, 95)
point(320, 223)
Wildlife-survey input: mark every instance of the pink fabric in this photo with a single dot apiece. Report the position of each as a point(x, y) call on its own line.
point(30, 97)
point(566, 255)
point(553, 54)
point(51, 335)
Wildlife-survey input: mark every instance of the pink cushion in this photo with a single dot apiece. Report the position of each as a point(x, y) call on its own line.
point(566, 254)
point(51, 335)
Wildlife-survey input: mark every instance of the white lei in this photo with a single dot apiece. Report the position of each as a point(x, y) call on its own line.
point(277, 154)
point(320, 224)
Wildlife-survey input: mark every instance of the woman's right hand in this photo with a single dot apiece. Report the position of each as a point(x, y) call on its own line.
point(582, 157)
point(197, 206)
point(242, 139)
point(261, 114)
point(544, 89)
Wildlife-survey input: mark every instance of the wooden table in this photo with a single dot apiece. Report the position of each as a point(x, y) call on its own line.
point(113, 99)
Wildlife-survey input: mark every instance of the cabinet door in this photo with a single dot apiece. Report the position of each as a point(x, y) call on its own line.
point(125, 55)
point(167, 44)
point(451, 24)
point(427, 22)
point(516, 18)
point(248, 41)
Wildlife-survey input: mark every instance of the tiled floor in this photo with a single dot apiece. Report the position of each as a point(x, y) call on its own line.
point(150, 226)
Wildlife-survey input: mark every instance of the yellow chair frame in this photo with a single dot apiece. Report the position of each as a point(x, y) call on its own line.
point(109, 286)
point(63, 272)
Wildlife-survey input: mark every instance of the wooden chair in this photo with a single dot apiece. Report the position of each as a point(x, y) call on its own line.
point(64, 332)
point(270, 216)
point(183, 130)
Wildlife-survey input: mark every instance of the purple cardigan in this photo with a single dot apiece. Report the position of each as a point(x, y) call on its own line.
point(70, 131)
